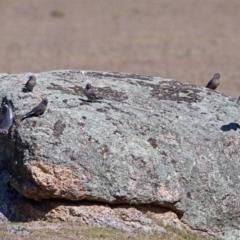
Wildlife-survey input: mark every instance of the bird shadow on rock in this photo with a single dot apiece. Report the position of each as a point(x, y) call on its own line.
point(230, 126)
point(89, 101)
point(24, 90)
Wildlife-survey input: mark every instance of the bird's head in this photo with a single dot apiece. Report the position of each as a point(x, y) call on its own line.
point(88, 86)
point(216, 75)
point(45, 101)
point(32, 77)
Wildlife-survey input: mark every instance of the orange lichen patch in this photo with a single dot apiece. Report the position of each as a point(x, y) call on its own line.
point(58, 181)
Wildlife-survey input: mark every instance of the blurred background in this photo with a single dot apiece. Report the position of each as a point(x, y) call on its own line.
point(186, 40)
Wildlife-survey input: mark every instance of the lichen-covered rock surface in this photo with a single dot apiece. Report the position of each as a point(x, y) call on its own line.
point(150, 141)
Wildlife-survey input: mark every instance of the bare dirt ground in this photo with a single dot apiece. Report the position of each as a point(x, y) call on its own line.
point(187, 40)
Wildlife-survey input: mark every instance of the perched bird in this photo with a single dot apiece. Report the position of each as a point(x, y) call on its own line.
point(30, 84)
point(89, 92)
point(7, 119)
point(38, 110)
point(238, 101)
point(1, 113)
point(214, 82)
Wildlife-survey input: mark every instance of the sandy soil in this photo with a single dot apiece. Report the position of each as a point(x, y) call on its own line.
point(188, 41)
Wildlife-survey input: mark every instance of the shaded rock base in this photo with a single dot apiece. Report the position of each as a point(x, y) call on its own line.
point(143, 219)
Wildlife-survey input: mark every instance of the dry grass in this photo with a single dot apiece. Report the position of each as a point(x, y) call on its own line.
point(188, 41)
point(63, 231)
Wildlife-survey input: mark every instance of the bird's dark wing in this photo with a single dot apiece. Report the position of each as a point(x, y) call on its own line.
point(36, 111)
point(238, 101)
point(1, 113)
point(95, 95)
point(209, 85)
point(7, 118)
point(26, 83)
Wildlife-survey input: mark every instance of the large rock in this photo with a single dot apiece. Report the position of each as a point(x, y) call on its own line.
point(151, 141)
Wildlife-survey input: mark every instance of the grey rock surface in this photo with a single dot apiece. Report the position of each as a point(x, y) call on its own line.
point(149, 141)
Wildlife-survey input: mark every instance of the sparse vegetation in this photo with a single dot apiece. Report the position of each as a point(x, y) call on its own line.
point(38, 230)
point(57, 14)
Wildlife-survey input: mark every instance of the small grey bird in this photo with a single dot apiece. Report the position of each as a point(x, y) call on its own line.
point(7, 119)
point(38, 110)
point(214, 82)
point(89, 92)
point(31, 83)
point(238, 101)
point(1, 114)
